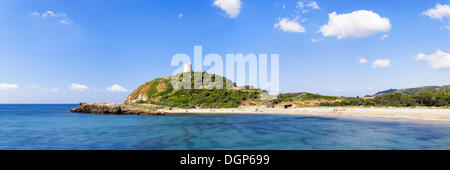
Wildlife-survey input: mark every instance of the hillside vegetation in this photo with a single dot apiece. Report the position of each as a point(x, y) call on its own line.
point(427, 96)
point(162, 93)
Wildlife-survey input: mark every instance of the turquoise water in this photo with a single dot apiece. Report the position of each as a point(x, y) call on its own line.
point(53, 127)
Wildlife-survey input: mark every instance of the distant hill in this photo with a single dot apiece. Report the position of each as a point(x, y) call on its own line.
point(413, 91)
point(386, 91)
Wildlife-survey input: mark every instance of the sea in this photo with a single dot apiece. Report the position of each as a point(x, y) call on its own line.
point(53, 127)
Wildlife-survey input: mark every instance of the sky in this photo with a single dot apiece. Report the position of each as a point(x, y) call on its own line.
point(67, 51)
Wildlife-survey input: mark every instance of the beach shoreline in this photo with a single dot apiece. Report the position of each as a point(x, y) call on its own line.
point(402, 113)
point(418, 114)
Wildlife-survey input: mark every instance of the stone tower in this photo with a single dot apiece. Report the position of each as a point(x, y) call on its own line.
point(187, 68)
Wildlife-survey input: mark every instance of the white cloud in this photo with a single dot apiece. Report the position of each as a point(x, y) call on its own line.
point(60, 17)
point(49, 14)
point(63, 21)
point(381, 63)
point(384, 36)
point(6, 86)
point(68, 22)
point(439, 12)
point(437, 61)
point(78, 87)
point(180, 15)
point(307, 7)
point(358, 24)
point(314, 40)
point(300, 5)
point(313, 5)
point(54, 90)
point(35, 14)
point(362, 61)
point(338, 90)
point(116, 88)
point(370, 88)
point(231, 7)
point(289, 25)
point(303, 4)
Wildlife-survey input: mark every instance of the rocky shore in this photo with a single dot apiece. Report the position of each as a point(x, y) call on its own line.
point(120, 109)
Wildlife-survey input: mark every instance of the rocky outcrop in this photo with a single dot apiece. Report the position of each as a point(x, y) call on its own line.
point(106, 108)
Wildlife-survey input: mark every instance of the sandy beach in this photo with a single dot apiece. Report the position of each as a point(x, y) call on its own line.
point(420, 114)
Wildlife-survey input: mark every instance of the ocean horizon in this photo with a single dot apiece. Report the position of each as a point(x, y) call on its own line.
point(53, 127)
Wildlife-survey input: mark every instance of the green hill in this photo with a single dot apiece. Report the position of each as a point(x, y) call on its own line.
point(413, 91)
point(162, 92)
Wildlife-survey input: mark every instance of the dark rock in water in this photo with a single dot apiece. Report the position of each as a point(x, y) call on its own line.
point(106, 108)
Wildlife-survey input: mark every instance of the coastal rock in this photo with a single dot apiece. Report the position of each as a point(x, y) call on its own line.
point(106, 108)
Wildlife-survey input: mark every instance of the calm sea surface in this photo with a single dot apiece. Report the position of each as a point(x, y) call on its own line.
point(53, 127)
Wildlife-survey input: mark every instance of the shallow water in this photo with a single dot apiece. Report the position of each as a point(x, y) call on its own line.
point(53, 127)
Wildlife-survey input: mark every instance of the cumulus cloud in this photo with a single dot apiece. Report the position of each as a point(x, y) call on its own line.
point(437, 61)
point(6, 86)
point(289, 26)
point(362, 61)
point(116, 88)
point(180, 15)
point(381, 63)
point(358, 24)
point(60, 17)
point(384, 36)
point(439, 12)
point(78, 87)
point(231, 7)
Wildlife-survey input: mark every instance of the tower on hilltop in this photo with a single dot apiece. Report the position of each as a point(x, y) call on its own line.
point(187, 68)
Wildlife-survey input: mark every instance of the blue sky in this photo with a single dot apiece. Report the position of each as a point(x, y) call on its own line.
point(66, 51)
